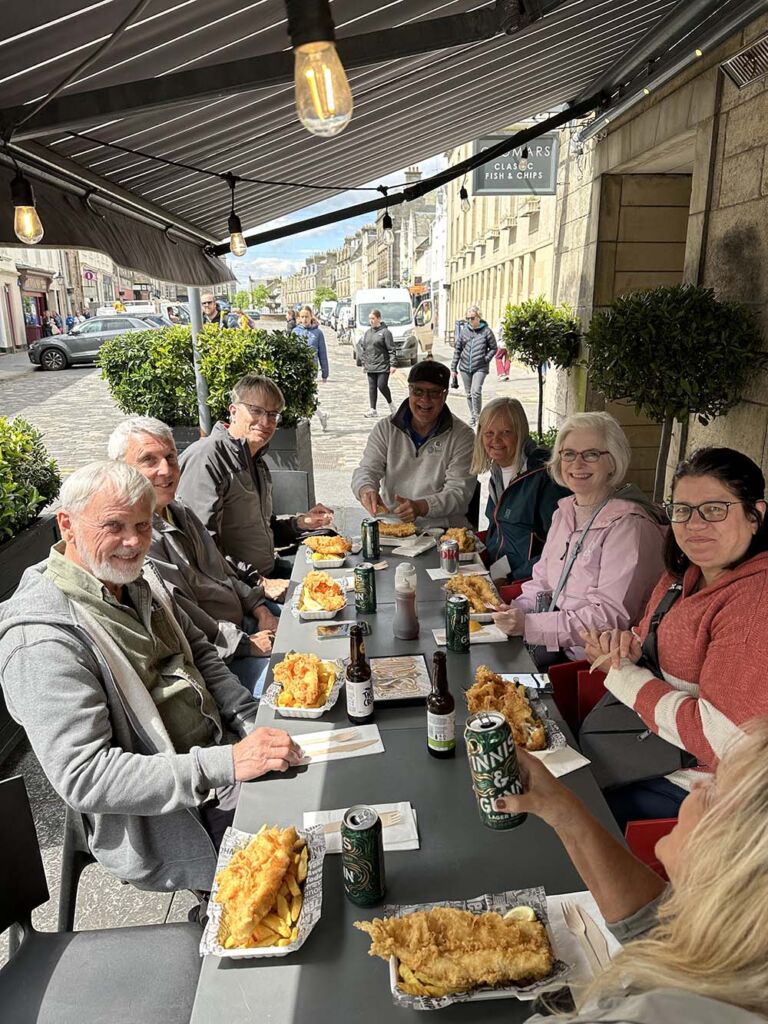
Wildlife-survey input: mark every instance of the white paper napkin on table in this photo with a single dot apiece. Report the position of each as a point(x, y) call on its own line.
point(321, 746)
point(488, 634)
point(417, 546)
point(561, 761)
point(402, 836)
point(465, 569)
point(567, 945)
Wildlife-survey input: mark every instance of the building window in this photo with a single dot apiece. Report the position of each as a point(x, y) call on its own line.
point(512, 234)
point(533, 223)
point(496, 243)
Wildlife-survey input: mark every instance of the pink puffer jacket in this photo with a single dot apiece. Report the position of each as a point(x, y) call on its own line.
point(610, 581)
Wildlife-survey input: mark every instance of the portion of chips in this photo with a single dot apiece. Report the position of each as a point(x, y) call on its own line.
point(396, 529)
point(306, 680)
point(321, 593)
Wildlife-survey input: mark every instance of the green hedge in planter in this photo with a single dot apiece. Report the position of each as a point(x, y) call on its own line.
point(227, 355)
point(29, 479)
point(150, 373)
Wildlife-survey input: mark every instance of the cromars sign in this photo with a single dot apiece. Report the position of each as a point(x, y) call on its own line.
point(513, 174)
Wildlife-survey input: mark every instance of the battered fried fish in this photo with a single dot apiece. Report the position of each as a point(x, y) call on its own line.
point(396, 529)
point(477, 588)
point(492, 693)
point(321, 592)
point(249, 883)
point(463, 537)
point(332, 547)
point(305, 680)
point(457, 950)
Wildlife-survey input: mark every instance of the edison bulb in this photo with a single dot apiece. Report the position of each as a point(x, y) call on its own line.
point(466, 206)
point(323, 97)
point(237, 244)
point(27, 225)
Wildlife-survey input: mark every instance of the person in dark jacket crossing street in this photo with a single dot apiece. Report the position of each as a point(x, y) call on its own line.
point(522, 496)
point(309, 331)
point(474, 349)
point(377, 354)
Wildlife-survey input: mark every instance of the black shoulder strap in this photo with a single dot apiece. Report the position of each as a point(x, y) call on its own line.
point(650, 644)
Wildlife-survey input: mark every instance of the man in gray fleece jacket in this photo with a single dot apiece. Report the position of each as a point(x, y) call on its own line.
point(136, 721)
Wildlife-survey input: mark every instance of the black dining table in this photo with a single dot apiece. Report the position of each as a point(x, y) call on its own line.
point(332, 977)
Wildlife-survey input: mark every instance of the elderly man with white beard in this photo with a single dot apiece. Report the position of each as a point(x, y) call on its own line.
point(136, 721)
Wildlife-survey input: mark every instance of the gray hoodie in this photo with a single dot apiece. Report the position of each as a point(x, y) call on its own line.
point(100, 740)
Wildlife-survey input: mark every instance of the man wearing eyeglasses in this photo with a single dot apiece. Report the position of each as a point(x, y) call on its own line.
point(225, 480)
point(416, 462)
point(211, 312)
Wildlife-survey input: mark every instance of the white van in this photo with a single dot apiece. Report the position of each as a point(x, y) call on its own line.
point(327, 307)
point(396, 310)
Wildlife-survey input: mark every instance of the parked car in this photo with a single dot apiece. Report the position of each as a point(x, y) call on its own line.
point(83, 342)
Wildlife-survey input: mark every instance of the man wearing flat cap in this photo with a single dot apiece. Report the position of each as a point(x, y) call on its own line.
point(416, 463)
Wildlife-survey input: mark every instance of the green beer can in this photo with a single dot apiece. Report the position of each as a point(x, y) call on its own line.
point(493, 766)
point(365, 588)
point(362, 856)
point(369, 535)
point(457, 623)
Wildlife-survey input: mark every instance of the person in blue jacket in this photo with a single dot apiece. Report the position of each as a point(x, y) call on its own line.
point(309, 329)
point(522, 496)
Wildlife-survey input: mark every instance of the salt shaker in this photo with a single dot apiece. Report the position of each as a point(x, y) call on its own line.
point(405, 624)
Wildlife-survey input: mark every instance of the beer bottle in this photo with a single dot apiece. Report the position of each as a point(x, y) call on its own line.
point(359, 683)
point(441, 716)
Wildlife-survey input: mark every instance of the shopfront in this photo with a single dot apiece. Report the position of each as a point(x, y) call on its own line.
point(34, 300)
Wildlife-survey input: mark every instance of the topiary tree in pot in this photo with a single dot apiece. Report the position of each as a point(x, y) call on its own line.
point(537, 333)
point(675, 352)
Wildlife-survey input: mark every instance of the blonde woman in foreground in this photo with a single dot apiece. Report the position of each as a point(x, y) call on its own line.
point(700, 954)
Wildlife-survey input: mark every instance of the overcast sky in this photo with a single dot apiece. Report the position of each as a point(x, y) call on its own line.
point(278, 259)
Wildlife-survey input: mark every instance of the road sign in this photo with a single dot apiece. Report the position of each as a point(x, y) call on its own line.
point(89, 275)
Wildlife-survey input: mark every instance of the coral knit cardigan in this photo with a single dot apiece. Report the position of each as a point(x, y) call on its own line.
point(713, 655)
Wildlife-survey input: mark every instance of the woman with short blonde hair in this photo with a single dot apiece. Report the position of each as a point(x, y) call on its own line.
point(603, 554)
point(474, 348)
point(697, 950)
point(522, 497)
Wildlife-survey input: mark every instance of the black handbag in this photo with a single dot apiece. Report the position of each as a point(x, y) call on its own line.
point(620, 746)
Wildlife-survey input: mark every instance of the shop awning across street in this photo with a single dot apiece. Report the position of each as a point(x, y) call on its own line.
point(209, 84)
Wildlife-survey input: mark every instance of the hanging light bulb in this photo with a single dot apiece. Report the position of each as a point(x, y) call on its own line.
point(27, 225)
point(237, 243)
point(387, 234)
point(523, 161)
point(323, 97)
point(466, 206)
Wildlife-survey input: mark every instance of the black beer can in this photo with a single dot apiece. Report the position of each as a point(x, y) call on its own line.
point(365, 588)
point(369, 534)
point(457, 623)
point(493, 765)
point(362, 856)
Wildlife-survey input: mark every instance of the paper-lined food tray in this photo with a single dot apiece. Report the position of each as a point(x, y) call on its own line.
point(490, 634)
point(312, 616)
point(486, 588)
point(216, 933)
point(324, 563)
point(273, 691)
point(499, 903)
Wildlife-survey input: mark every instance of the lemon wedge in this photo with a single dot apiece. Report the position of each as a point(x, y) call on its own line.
point(520, 914)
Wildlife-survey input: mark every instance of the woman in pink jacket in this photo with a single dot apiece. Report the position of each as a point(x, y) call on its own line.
point(603, 554)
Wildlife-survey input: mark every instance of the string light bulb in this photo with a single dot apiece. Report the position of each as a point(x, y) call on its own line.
point(387, 234)
point(466, 206)
point(237, 243)
point(522, 160)
point(323, 96)
point(27, 225)
point(698, 52)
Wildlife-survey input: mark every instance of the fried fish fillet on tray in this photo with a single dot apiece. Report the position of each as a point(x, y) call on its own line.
point(396, 529)
point(492, 693)
point(329, 547)
point(463, 537)
point(306, 680)
point(249, 886)
point(477, 588)
point(321, 592)
point(445, 950)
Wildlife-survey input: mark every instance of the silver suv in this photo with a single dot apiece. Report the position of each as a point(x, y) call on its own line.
point(83, 342)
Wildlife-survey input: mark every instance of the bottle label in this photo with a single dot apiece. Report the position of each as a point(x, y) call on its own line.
point(441, 731)
point(360, 699)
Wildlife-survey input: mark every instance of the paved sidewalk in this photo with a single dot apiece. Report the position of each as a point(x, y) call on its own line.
point(76, 414)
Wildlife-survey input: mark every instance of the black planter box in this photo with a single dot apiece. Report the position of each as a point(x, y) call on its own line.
point(16, 555)
point(291, 448)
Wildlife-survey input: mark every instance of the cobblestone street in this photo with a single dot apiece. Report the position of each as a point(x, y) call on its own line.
point(75, 412)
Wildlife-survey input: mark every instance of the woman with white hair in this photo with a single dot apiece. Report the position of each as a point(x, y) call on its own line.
point(473, 351)
point(603, 554)
point(696, 951)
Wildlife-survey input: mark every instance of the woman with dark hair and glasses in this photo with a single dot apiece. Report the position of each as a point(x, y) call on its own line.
point(712, 639)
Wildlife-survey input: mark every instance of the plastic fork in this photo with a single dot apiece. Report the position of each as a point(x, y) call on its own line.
point(388, 818)
point(576, 926)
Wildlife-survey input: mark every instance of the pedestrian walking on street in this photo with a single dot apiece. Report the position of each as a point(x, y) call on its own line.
point(377, 355)
point(290, 320)
point(474, 349)
point(502, 356)
point(309, 330)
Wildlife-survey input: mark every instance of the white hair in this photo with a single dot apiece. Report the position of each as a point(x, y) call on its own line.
point(125, 482)
point(132, 427)
point(615, 442)
point(474, 309)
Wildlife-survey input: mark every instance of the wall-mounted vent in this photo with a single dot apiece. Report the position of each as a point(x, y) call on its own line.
point(748, 66)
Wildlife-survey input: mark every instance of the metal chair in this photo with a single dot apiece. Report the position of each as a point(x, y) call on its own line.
point(75, 857)
point(121, 975)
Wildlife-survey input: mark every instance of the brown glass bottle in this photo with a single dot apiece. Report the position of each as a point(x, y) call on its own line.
point(359, 683)
point(441, 714)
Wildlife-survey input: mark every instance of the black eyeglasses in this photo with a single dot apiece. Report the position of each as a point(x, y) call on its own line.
point(709, 511)
point(590, 455)
point(257, 413)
